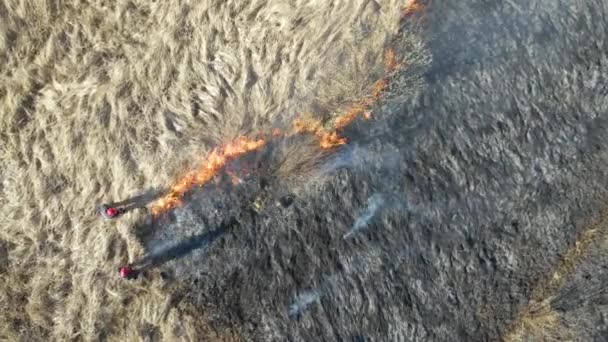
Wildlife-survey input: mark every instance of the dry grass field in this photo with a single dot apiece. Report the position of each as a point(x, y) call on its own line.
point(104, 100)
point(100, 100)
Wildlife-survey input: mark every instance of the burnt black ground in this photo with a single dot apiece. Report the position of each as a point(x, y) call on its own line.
point(489, 174)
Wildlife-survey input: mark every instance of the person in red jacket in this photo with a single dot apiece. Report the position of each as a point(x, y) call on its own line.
point(128, 272)
point(110, 212)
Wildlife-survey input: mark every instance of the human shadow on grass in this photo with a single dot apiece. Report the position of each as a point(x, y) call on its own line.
point(183, 248)
point(114, 210)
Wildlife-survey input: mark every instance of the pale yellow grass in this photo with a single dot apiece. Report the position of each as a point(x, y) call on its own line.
point(540, 323)
point(102, 99)
point(537, 318)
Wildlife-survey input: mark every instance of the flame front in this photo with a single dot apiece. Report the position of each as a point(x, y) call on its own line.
point(391, 62)
point(413, 7)
point(213, 164)
point(329, 138)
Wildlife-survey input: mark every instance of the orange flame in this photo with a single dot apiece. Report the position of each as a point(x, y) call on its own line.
point(328, 138)
point(362, 108)
point(332, 139)
point(391, 63)
point(215, 161)
point(413, 7)
point(350, 116)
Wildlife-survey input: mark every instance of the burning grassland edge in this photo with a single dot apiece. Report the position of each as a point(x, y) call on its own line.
point(360, 95)
point(539, 318)
point(64, 265)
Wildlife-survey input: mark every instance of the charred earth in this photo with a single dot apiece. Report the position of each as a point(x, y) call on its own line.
point(451, 214)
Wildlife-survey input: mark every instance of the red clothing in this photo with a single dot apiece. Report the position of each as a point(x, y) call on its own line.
point(112, 211)
point(127, 272)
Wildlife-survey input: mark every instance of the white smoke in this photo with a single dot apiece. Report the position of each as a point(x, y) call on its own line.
point(355, 156)
point(303, 301)
point(374, 203)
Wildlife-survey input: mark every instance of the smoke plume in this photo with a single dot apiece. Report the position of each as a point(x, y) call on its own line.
point(374, 203)
point(303, 301)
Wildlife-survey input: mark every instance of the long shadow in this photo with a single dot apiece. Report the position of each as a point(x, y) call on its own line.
point(183, 248)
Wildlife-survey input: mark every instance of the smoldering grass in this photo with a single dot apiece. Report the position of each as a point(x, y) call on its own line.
point(360, 158)
point(374, 203)
point(303, 301)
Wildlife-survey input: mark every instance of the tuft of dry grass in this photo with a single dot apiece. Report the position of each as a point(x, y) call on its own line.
point(297, 164)
point(534, 316)
point(539, 323)
point(100, 100)
point(358, 80)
